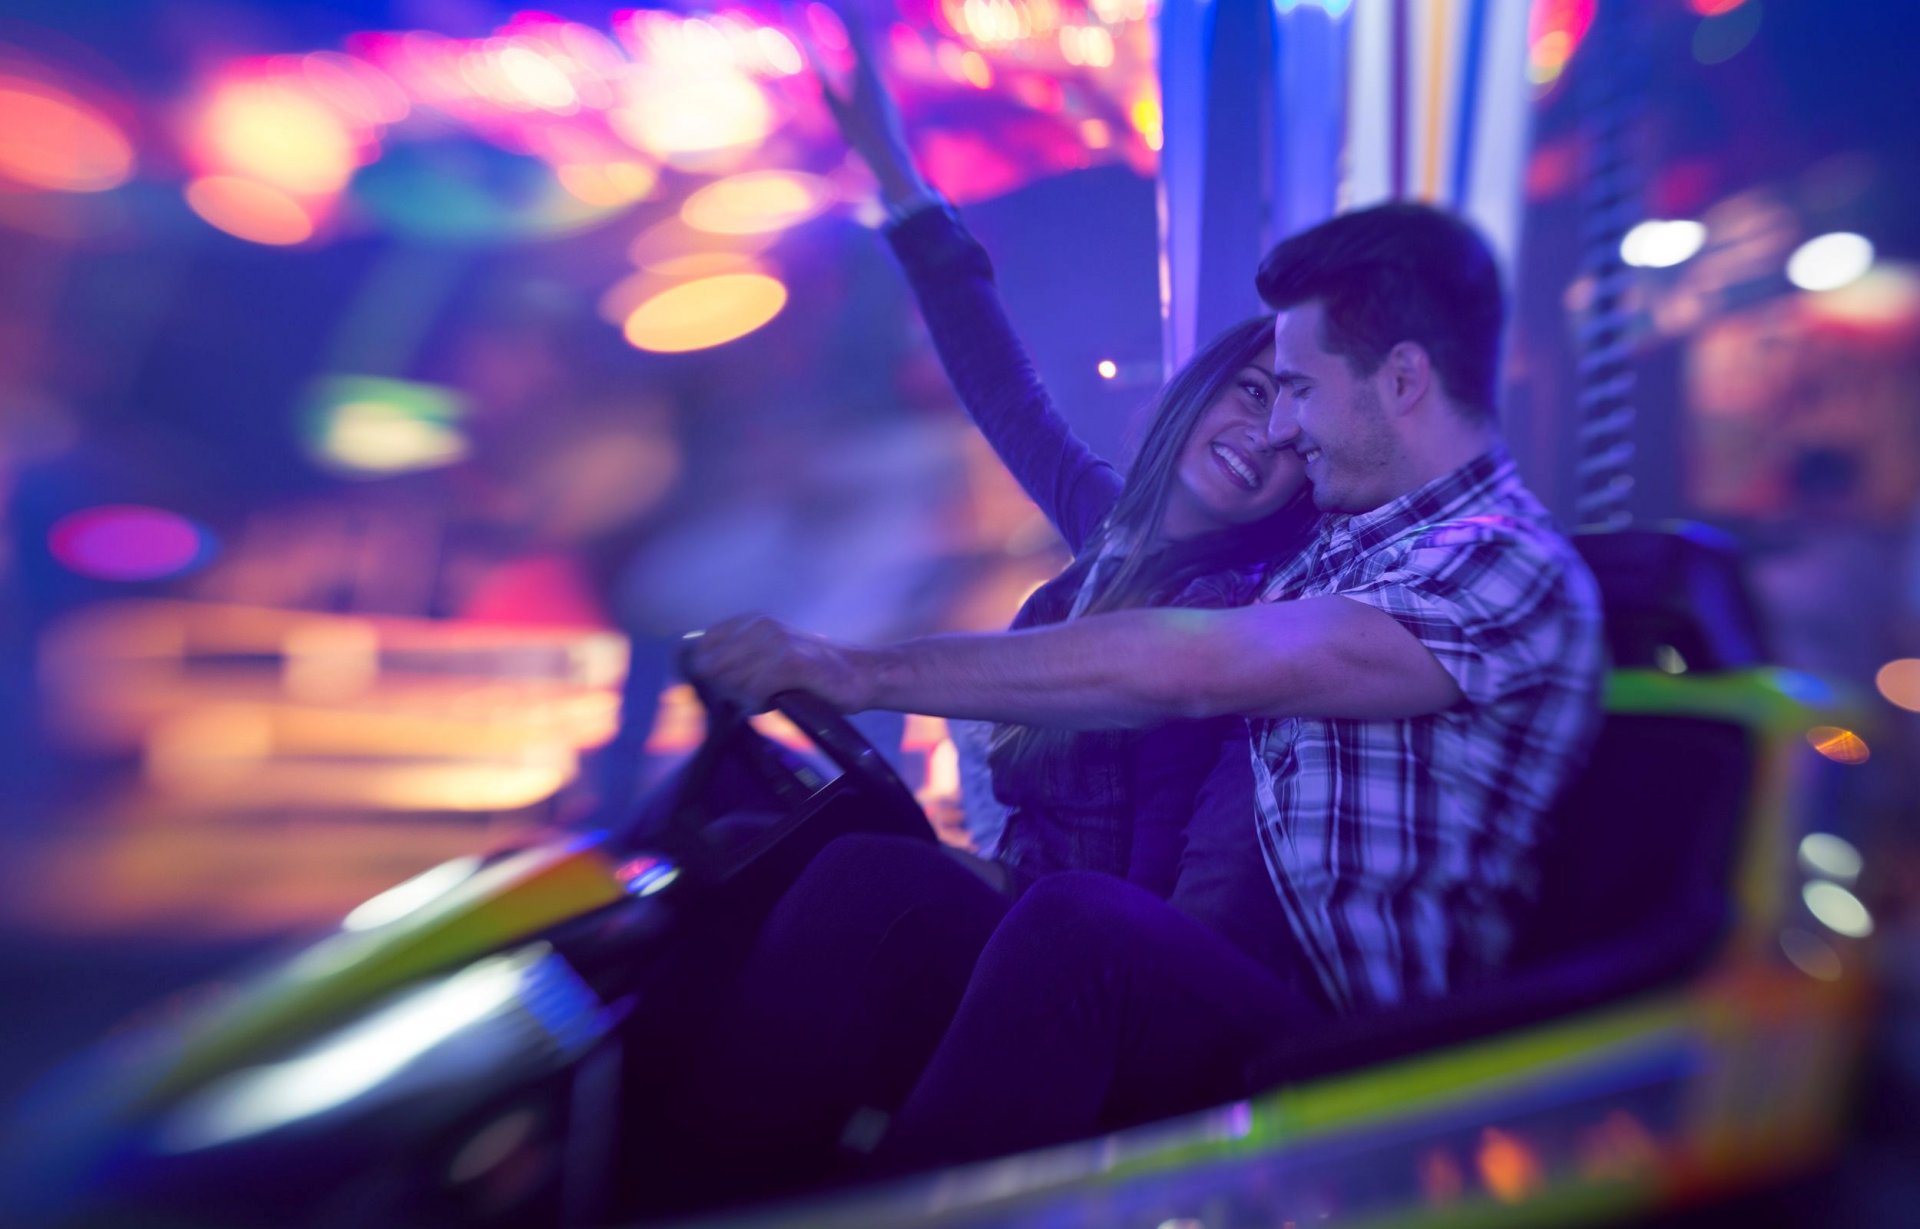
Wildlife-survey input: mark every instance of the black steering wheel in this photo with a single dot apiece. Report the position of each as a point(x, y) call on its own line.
point(742, 796)
point(849, 749)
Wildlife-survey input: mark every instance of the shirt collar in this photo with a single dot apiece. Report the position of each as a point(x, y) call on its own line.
point(1437, 500)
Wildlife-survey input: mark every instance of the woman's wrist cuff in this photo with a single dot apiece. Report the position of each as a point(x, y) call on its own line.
point(899, 209)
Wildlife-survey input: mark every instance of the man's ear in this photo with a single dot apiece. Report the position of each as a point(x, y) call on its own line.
point(1409, 375)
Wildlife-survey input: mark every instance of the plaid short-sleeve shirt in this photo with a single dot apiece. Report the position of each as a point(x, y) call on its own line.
point(1399, 848)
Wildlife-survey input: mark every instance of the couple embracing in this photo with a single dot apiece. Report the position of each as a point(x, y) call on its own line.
point(1276, 745)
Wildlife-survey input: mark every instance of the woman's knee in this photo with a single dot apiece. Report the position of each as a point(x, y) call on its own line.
point(1075, 919)
point(864, 866)
point(858, 889)
point(870, 854)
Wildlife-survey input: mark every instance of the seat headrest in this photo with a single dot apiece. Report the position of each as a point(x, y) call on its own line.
point(1675, 589)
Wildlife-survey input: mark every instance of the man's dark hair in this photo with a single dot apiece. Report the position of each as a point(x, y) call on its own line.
point(1394, 273)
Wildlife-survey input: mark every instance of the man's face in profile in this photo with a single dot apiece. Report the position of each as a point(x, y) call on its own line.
point(1341, 429)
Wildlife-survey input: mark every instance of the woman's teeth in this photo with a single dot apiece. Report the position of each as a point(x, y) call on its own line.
point(1238, 465)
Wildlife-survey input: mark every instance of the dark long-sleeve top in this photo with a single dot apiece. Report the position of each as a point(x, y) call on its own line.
point(1108, 801)
point(952, 278)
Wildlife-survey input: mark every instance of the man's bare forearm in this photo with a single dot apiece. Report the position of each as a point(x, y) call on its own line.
point(1121, 670)
point(1324, 657)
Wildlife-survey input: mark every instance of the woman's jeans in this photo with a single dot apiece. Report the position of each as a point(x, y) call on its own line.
point(894, 998)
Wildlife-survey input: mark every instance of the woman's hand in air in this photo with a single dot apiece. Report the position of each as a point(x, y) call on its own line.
point(870, 121)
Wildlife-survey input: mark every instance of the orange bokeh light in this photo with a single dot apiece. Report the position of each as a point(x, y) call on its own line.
point(1555, 29)
point(1509, 1167)
point(624, 297)
point(975, 70)
point(1549, 56)
point(257, 212)
point(756, 202)
point(608, 185)
point(1899, 682)
point(1839, 745)
point(50, 139)
point(1713, 8)
point(708, 312)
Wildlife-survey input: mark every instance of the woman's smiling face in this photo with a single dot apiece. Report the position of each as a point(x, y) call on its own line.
point(1229, 471)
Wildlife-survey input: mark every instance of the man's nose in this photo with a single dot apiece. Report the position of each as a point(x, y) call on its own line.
point(1282, 426)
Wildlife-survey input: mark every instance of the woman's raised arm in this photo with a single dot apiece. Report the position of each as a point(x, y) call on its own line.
point(952, 279)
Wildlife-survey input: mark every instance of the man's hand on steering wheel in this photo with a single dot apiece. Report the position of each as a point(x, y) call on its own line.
point(749, 659)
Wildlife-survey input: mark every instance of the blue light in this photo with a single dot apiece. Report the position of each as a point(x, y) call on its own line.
point(1809, 689)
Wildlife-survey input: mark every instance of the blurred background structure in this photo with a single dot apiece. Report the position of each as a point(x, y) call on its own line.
point(386, 384)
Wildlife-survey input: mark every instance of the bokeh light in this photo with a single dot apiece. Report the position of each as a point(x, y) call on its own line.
point(1108, 369)
point(271, 133)
point(975, 70)
point(704, 313)
point(355, 88)
point(608, 185)
point(1510, 1168)
point(1837, 909)
point(624, 297)
point(1839, 745)
point(781, 55)
point(50, 139)
point(1441, 1179)
point(1885, 299)
point(671, 239)
point(756, 202)
point(1726, 34)
point(371, 437)
point(1091, 46)
point(1555, 30)
point(1830, 261)
point(1656, 244)
point(1547, 58)
point(676, 115)
point(535, 78)
point(705, 264)
point(1899, 682)
point(1822, 853)
point(249, 210)
point(1148, 121)
point(1811, 954)
point(369, 426)
point(128, 542)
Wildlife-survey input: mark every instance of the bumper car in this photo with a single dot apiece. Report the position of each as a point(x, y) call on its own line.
point(476, 1046)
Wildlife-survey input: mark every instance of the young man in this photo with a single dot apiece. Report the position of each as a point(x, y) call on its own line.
point(1418, 685)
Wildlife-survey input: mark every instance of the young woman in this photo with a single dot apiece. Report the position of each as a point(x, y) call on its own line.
point(862, 963)
point(1205, 508)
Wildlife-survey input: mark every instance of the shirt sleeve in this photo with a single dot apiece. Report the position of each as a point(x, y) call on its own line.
point(1499, 605)
point(952, 279)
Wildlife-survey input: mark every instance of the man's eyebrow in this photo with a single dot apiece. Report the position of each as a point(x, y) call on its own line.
point(1287, 375)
